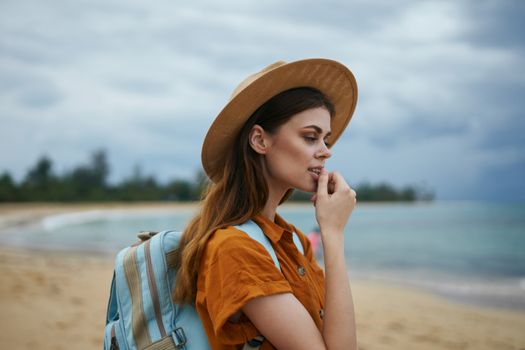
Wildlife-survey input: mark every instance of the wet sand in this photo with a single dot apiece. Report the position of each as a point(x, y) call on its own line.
point(52, 300)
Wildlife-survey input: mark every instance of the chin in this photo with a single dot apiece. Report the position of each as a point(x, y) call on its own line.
point(310, 188)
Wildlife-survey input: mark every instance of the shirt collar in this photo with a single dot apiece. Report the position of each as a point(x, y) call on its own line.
point(273, 229)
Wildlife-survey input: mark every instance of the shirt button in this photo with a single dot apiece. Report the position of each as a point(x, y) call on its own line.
point(321, 313)
point(301, 270)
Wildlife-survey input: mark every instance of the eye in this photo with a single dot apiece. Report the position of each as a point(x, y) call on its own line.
point(328, 144)
point(310, 139)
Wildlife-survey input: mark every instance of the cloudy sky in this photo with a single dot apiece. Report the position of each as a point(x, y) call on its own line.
point(441, 84)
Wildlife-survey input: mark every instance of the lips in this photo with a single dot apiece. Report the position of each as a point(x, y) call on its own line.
point(315, 172)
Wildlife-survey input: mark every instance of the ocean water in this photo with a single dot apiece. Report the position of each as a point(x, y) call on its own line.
point(472, 252)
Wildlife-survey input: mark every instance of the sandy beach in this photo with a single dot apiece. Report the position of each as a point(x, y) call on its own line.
point(51, 300)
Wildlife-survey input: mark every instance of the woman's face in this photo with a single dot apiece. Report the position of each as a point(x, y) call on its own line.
point(296, 152)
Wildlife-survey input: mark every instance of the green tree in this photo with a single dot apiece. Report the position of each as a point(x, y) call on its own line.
point(8, 189)
point(40, 174)
point(180, 190)
point(408, 194)
point(39, 181)
point(88, 182)
point(138, 187)
point(100, 168)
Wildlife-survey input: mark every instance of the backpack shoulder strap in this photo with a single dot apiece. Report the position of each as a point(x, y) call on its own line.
point(255, 232)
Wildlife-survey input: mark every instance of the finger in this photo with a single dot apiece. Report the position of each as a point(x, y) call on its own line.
point(331, 188)
point(331, 184)
point(313, 199)
point(339, 182)
point(322, 183)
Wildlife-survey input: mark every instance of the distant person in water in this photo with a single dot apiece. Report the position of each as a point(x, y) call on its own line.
point(315, 240)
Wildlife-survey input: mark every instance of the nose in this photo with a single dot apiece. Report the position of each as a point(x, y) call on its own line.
point(324, 152)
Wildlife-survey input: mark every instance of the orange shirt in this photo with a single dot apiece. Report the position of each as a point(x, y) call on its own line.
point(235, 269)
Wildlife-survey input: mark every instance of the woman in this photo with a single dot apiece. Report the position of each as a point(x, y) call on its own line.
point(273, 136)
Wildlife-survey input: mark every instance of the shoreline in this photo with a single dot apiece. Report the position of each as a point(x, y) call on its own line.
point(13, 215)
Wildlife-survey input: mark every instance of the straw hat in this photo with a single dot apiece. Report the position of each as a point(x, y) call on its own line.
point(332, 78)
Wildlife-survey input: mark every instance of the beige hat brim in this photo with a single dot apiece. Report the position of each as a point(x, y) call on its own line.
point(332, 78)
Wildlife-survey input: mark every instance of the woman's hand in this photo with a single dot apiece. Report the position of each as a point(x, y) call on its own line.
point(334, 202)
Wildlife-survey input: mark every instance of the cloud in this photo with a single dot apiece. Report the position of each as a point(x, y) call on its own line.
point(144, 80)
point(40, 94)
point(142, 86)
point(495, 24)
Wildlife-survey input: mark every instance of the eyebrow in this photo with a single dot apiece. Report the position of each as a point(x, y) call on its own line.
point(318, 129)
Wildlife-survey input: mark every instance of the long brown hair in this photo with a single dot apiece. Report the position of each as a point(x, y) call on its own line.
point(241, 192)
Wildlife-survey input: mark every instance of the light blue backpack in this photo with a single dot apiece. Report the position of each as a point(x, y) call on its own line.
point(141, 313)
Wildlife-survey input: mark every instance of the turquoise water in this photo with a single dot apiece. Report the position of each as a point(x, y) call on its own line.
point(470, 251)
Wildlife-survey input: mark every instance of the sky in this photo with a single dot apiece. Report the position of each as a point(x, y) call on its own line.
point(441, 84)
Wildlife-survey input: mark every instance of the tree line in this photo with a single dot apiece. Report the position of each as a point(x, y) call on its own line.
point(89, 183)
